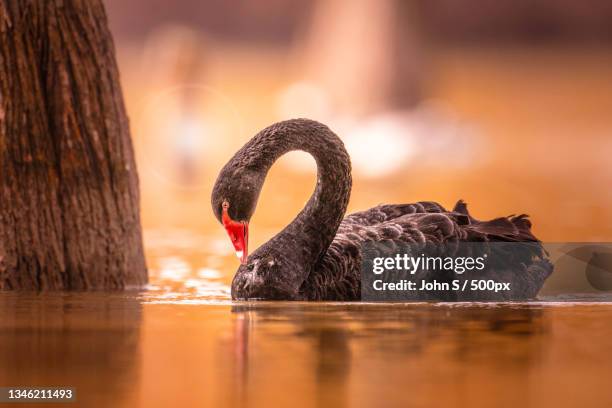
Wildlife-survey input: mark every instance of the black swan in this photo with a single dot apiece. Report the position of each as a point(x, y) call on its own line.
point(318, 255)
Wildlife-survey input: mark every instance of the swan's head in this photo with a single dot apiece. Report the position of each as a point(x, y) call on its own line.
point(261, 278)
point(234, 199)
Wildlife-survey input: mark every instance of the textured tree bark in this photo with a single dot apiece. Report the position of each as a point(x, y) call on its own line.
point(69, 201)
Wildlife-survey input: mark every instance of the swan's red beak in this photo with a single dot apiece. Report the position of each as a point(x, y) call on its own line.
point(239, 235)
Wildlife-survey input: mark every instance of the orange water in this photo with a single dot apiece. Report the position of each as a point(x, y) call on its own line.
point(151, 349)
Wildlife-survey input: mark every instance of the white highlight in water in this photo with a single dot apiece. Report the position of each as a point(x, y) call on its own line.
point(209, 273)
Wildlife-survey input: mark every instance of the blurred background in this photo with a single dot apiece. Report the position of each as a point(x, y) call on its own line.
point(504, 104)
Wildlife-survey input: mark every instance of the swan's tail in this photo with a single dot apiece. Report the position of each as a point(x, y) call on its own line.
point(514, 228)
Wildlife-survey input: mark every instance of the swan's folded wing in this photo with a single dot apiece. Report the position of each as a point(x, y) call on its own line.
point(338, 273)
point(387, 212)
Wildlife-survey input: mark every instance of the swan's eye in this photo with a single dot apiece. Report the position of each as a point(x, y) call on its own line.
point(250, 267)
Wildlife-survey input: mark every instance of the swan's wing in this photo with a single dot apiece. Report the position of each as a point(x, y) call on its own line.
point(338, 276)
point(413, 217)
point(388, 212)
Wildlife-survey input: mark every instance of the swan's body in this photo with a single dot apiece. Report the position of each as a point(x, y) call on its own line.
point(318, 256)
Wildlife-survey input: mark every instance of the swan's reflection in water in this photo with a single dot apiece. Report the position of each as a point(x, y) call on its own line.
point(330, 363)
point(353, 355)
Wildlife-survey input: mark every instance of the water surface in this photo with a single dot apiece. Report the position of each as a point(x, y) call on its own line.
point(186, 344)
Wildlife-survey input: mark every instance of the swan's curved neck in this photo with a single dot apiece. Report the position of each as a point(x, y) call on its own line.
point(306, 239)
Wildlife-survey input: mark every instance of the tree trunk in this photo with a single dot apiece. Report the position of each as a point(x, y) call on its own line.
point(69, 201)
